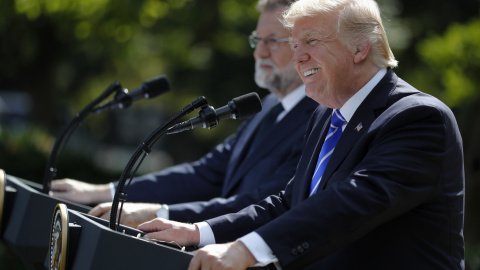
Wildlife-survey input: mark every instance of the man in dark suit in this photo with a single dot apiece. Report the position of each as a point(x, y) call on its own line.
point(236, 173)
point(391, 195)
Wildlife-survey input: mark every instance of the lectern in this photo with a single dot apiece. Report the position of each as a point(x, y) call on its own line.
point(26, 217)
point(80, 241)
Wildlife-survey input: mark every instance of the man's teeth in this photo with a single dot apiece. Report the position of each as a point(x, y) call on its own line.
point(310, 72)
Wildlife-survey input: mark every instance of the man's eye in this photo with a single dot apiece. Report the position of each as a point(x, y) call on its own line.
point(312, 42)
point(271, 40)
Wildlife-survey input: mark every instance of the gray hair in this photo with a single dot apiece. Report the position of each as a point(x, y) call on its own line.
point(269, 5)
point(357, 20)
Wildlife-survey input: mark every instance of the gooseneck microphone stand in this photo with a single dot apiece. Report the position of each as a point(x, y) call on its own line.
point(140, 153)
point(52, 163)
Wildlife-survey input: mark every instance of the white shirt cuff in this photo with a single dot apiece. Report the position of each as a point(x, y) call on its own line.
point(206, 234)
point(259, 249)
point(163, 212)
point(112, 190)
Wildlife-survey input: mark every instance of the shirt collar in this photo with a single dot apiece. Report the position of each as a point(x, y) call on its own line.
point(349, 108)
point(294, 97)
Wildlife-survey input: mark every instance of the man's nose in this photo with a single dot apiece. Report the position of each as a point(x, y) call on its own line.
point(299, 56)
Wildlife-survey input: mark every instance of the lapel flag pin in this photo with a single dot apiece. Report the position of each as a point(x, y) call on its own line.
point(359, 127)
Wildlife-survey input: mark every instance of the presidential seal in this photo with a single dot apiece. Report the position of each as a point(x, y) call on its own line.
point(58, 238)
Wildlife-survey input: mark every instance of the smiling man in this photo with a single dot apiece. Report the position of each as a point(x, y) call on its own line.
point(381, 187)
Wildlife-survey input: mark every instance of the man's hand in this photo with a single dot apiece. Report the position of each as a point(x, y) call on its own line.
point(80, 192)
point(166, 230)
point(234, 255)
point(133, 214)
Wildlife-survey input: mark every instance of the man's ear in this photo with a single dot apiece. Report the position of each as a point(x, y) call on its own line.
point(363, 49)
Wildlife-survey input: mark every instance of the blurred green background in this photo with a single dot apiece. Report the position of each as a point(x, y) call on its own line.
point(56, 56)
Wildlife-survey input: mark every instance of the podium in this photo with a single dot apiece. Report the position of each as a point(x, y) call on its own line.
point(80, 241)
point(26, 218)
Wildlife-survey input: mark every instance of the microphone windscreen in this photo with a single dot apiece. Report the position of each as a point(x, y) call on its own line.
point(247, 104)
point(156, 86)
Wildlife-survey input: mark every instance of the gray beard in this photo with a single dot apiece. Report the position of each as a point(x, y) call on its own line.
point(277, 84)
point(274, 81)
point(279, 81)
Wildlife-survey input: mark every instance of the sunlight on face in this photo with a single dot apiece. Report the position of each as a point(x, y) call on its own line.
point(323, 62)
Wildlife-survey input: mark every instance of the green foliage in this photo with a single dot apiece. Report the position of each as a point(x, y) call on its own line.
point(25, 152)
point(454, 59)
point(472, 256)
point(80, 47)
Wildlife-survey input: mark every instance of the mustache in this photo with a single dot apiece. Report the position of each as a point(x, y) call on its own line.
point(265, 61)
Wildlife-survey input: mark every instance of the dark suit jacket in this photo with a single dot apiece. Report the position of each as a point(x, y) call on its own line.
point(223, 181)
point(391, 197)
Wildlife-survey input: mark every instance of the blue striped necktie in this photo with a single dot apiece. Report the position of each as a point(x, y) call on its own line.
point(331, 140)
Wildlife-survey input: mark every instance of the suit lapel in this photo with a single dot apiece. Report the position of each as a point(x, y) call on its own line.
point(268, 102)
point(312, 151)
point(349, 138)
point(281, 130)
point(359, 124)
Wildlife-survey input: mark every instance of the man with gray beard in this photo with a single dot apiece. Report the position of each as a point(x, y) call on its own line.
point(257, 161)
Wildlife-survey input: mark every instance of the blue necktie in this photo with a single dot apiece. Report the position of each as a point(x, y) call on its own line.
point(331, 140)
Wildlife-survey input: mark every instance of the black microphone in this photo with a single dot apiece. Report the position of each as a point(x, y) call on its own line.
point(208, 117)
point(123, 99)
